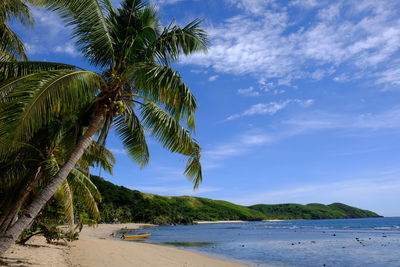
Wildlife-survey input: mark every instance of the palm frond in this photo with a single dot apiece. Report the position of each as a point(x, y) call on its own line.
point(134, 27)
point(66, 197)
point(12, 173)
point(17, 69)
point(131, 132)
point(90, 27)
point(42, 96)
point(10, 43)
point(175, 41)
point(86, 190)
point(17, 9)
point(193, 167)
point(97, 155)
point(6, 56)
point(173, 137)
point(163, 85)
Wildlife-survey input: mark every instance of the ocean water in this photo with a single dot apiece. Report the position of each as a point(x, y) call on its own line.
point(351, 242)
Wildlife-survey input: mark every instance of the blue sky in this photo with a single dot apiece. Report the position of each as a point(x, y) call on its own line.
point(298, 101)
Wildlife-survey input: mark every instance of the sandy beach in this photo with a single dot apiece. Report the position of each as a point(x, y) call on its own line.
point(96, 248)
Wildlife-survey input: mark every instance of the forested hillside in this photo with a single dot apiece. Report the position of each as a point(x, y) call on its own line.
point(125, 205)
point(312, 211)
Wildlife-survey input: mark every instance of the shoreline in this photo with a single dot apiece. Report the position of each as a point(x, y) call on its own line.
point(237, 221)
point(96, 247)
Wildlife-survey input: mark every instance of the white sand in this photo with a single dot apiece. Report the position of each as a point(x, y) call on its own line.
point(96, 248)
point(37, 253)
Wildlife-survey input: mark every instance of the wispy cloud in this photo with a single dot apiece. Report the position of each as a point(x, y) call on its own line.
point(68, 48)
point(213, 78)
point(50, 35)
point(252, 6)
point(118, 151)
point(270, 43)
point(249, 91)
point(239, 145)
point(270, 108)
point(385, 122)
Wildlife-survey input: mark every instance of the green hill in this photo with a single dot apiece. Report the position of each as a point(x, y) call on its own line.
point(125, 205)
point(312, 211)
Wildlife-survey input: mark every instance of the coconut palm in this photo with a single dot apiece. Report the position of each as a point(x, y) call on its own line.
point(78, 183)
point(136, 90)
point(44, 155)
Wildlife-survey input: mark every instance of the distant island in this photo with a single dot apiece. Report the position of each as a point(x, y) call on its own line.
point(124, 205)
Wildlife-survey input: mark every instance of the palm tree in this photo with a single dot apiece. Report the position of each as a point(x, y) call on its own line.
point(11, 47)
point(136, 90)
point(78, 183)
point(44, 155)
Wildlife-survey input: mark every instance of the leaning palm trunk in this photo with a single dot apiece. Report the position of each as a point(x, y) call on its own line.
point(11, 215)
point(10, 236)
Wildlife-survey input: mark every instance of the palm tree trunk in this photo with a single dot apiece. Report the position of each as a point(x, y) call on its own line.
point(17, 205)
point(38, 203)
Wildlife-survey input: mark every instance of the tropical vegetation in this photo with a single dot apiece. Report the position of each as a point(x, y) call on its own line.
point(124, 205)
point(50, 113)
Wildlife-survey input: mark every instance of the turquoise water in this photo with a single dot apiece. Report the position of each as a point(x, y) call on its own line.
point(353, 242)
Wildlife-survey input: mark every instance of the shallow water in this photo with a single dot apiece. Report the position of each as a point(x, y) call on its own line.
point(353, 242)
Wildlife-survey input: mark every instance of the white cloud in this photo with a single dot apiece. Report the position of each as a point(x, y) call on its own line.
point(213, 78)
point(363, 35)
point(304, 103)
point(343, 77)
point(306, 3)
point(386, 120)
point(270, 108)
point(118, 151)
point(68, 48)
point(49, 21)
point(238, 146)
point(249, 91)
point(50, 35)
point(252, 6)
point(390, 76)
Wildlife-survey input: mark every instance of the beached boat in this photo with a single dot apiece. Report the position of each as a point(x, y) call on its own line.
point(137, 236)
